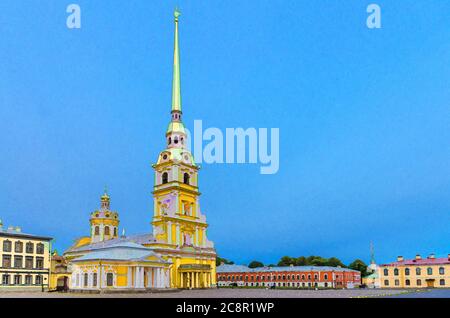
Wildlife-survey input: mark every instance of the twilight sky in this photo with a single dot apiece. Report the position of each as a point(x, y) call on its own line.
point(364, 118)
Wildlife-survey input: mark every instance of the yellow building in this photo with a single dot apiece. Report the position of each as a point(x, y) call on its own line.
point(430, 272)
point(178, 254)
point(59, 273)
point(104, 261)
point(25, 260)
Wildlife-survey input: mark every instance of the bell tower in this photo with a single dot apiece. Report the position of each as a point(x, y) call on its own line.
point(179, 227)
point(104, 222)
point(177, 219)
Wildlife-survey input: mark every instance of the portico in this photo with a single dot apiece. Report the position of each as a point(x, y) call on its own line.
point(195, 276)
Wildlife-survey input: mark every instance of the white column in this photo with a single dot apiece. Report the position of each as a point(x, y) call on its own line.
point(129, 276)
point(153, 278)
point(168, 278)
point(157, 278)
point(161, 278)
point(140, 277)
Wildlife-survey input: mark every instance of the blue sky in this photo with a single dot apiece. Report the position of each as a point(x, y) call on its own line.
point(364, 118)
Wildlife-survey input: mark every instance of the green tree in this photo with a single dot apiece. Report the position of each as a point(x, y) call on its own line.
point(287, 261)
point(316, 261)
point(300, 261)
point(220, 260)
point(335, 262)
point(255, 264)
point(359, 265)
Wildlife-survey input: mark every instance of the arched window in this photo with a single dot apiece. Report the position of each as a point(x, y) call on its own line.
point(429, 271)
point(97, 231)
point(419, 282)
point(386, 282)
point(115, 231)
point(186, 178)
point(175, 140)
point(107, 230)
point(396, 271)
point(18, 247)
point(406, 271)
point(29, 247)
point(109, 279)
point(386, 272)
point(407, 282)
point(442, 282)
point(165, 177)
point(40, 248)
point(186, 208)
point(418, 271)
point(86, 279)
point(7, 246)
point(441, 271)
point(170, 140)
point(325, 276)
point(94, 280)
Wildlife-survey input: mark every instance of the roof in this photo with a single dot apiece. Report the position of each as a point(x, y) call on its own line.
point(14, 233)
point(121, 241)
point(372, 275)
point(127, 251)
point(424, 261)
point(244, 269)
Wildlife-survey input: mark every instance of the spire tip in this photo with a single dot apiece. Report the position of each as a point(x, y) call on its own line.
point(176, 13)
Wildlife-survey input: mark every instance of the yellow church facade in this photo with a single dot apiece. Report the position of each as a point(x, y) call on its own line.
point(177, 254)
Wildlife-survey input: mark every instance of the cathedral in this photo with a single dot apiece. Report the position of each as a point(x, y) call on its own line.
point(177, 254)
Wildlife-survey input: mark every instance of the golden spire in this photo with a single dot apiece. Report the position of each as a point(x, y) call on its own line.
point(176, 125)
point(176, 88)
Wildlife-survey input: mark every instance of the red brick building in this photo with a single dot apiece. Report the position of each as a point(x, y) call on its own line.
point(288, 277)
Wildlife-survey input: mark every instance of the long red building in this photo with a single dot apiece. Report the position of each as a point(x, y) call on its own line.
point(288, 276)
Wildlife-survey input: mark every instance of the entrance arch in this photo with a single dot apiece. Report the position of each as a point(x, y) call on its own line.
point(62, 283)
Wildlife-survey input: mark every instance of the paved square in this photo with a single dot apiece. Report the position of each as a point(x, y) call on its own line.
point(243, 293)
